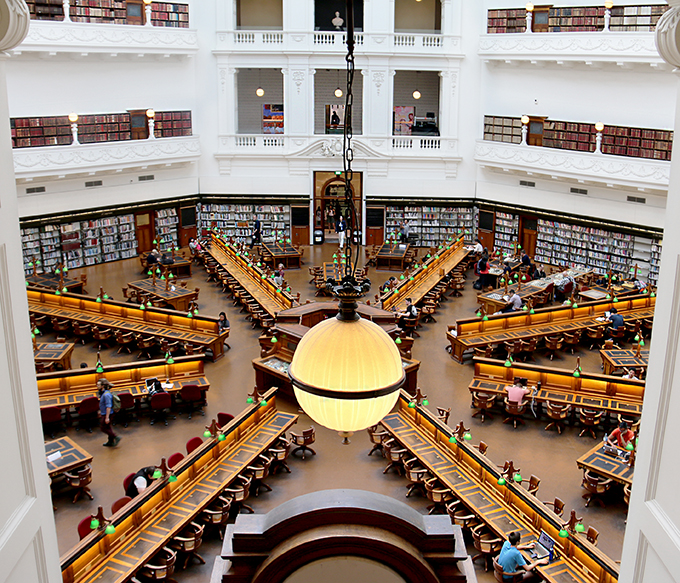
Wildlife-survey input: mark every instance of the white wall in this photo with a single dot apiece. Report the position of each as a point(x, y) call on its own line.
point(249, 104)
point(260, 14)
point(411, 16)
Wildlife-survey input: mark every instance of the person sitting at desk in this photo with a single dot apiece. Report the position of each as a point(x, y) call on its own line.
point(621, 436)
point(517, 391)
point(153, 257)
point(389, 284)
point(222, 322)
point(615, 319)
point(514, 302)
point(512, 560)
point(410, 312)
point(538, 272)
point(141, 481)
point(483, 269)
point(167, 259)
point(526, 260)
point(631, 373)
point(478, 248)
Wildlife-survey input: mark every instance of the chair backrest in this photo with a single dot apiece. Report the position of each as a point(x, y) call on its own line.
point(118, 504)
point(499, 574)
point(190, 393)
point(224, 418)
point(534, 482)
point(592, 535)
point(128, 480)
point(590, 416)
point(514, 408)
point(88, 405)
point(50, 414)
point(127, 401)
point(558, 505)
point(84, 527)
point(309, 435)
point(482, 447)
point(161, 401)
point(557, 410)
point(174, 459)
point(193, 443)
point(82, 478)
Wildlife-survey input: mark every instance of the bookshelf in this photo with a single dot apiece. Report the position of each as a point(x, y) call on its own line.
point(506, 21)
point(50, 247)
point(503, 129)
point(99, 11)
point(165, 14)
point(166, 228)
point(45, 9)
point(172, 123)
point(70, 245)
point(432, 225)
point(30, 247)
point(111, 127)
point(108, 12)
point(40, 131)
point(636, 18)
point(580, 19)
point(570, 136)
point(506, 232)
point(236, 220)
point(654, 261)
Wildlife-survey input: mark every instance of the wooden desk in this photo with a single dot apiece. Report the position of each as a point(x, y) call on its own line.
point(52, 281)
point(199, 330)
point(593, 294)
point(426, 277)
point(476, 332)
point(493, 301)
point(496, 269)
point(473, 479)
point(181, 267)
point(615, 359)
point(72, 456)
point(179, 298)
point(315, 312)
point(592, 391)
point(55, 353)
point(606, 465)
point(264, 291)
point(283, 253)
point(391, 256)
point(66, 389)
point(151, 519)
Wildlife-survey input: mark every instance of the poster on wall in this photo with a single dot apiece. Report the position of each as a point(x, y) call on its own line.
point(404, 118)
point(335, 119)
point(272, 118)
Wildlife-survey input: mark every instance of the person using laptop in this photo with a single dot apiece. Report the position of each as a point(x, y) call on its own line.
point(512, 560)
point(621, 436)
point(517, 391)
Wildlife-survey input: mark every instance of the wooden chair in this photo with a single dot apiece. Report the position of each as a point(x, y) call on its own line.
point(533, 484)
point(118, 504)
point(303, 441)
point(592, 535)
point(81, 331)
point(124, 341)
point(280, 450)
point(145, 345)
point(596, 486)
point(513, 347)
point(416, 476)
point(482, 447)
point(487, 543)
point(515, 412)
point(557, 505)
point(217, 514)
point(102, 336)
point(558, 413)
point(188, 542)
point(239, 492)
point(395, 455)
point(80, 482)
point(571, 340)
point(626, 494)
point(527, 348)
point(443, 414)
point(483, 402)
point(377, 438)
point(43, 367)
point(618, 334)
point(160, 567)
point(462, 516)
point(589, 419)
point(61, 326)
point(503, 577)
point(258, 470)
point(438, 494)
point(596, 334)
point(410, 325)
point(553, 344)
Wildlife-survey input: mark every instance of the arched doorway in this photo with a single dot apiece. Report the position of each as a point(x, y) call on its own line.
point(329, 202)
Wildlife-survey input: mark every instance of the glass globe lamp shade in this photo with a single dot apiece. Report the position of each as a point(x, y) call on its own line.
point(259, 92)
point(346, 374)
point(599, 126)
point(417, 94)
point(338, 93)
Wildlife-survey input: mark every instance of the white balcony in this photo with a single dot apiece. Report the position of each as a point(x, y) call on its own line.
point(334, 42)
point(582, 167)
point(50, 38)
point(592, 49)
point(104, 157)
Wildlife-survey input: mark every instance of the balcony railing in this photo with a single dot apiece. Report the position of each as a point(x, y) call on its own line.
point(412, 143)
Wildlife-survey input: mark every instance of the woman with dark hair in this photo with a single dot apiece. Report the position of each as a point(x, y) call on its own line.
point(222, 322)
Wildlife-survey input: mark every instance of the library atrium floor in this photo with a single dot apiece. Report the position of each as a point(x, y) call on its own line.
point(550, 456)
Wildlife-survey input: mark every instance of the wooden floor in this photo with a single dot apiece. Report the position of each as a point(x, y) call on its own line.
point(550, 456)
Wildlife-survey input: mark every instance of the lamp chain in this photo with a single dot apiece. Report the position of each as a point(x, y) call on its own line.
point(347, 151)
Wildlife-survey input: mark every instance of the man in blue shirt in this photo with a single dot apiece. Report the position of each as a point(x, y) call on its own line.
point(512, 560)
point(615, 320)
point(106, 411)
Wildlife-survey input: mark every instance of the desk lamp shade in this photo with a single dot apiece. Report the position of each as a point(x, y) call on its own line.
point(346, 373)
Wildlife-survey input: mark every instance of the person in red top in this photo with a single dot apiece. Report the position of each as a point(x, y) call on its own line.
point(621, 436)
point(517, 391)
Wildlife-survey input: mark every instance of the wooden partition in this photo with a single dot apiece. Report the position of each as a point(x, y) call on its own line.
point(67, 388)
point(473, 479)
point(427, 276)
point(157, 322)
point(594, 391)
point(150, 520)
point(474, 332)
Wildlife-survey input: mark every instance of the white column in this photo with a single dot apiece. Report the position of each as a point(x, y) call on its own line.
point(379, 22)
point(651, 548)
point(377, 112)
point(227, 121)
point(298, 87)
point(28, 551)
point(448, 102)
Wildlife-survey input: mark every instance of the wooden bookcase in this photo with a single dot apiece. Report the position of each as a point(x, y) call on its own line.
point(506, 232)
point(112, 127)
point(46, 9)
point(236, 220)
point(172, 123)
point(165, 14)
point(503, 129)
point(431, 225)
point(166, 221)
point(636, 18)
point(581, 19)
point(505, 21)
point(40, 131)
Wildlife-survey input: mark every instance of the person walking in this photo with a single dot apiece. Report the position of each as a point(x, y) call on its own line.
point(342, 227)
point(106, 412)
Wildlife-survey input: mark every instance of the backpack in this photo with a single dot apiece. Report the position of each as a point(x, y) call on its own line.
point(116, 403)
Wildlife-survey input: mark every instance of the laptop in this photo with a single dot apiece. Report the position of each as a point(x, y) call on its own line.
point(614, 451)
point(153, 386)
point(543, 547)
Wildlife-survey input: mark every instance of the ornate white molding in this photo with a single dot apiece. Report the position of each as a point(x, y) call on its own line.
point(602, 168)
point(665, 37)
point(64, 37)
point(563, 46)
point(298, 79)
point(103, 157)
point(378, 80)
point(15, 25)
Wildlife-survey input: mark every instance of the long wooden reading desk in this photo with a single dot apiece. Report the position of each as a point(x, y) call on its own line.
point(53, 281)
point(262, 289)
point(473, 479)
point(66, 389)
point(179, 298)
point(588, 390)
point(58, 353)
point(470, 333)
point(608, 466)
point(163, 324)
point(71, 456)
point(150, 520)
point(420, 282)
point(283, 253)
point(391, 256)
point(615, 359)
